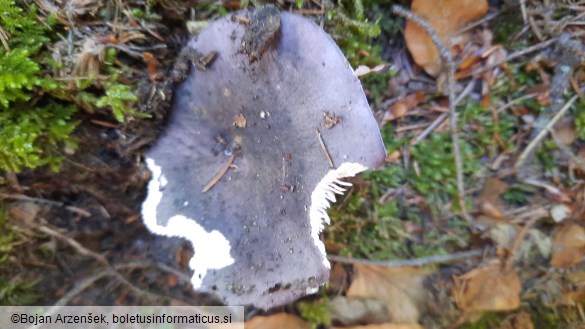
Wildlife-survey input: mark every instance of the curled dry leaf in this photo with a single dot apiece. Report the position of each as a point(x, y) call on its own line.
point(446, 17)
point(401, 107)
point(489, 200)
point(566, 131)
point(504, 236)
point(280, 321)
point(151, 64)
point(487, 288)
point(568, 245)
point(384, 326)
point(401, 289)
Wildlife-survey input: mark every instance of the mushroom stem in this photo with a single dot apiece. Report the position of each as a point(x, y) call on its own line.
point(219, 174)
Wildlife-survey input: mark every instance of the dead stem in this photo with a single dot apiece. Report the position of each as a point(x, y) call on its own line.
point(538, 139)
point(515, 101)
point(109, 270)
point(324, 148)
point(80, 249)
point(520, 53)
point(424, 261)
point(517, 243)
point(448, 59)
point(441, 118)
point(220, 174)
point(77, 210)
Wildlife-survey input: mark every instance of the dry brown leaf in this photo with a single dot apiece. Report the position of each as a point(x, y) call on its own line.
point(401, 107)
point(277, 321)
point(568, 245)
point(151, 64)
point(490, 203)
point(566, 131)
point(487, 288)
point(400, 288)
point(504, 235)
point(446, 17)
point(384, 326)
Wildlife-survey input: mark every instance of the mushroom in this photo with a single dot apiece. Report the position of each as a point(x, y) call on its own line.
point(250, 159)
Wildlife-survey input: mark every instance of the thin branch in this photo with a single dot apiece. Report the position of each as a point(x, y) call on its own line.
point(20, 197)
point(424, 261)
point(538, 139)
point(515, 101)
point(219, 174)
point(441, 118)
point(80, 249)
point(477, 23)
point(448, 59)
point(520, 53)
point(324, 148)
point(109, 270)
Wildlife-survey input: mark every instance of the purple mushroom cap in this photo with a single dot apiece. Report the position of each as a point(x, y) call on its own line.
point(265, 118)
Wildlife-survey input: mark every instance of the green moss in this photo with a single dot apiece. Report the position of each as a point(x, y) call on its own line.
point(17, 292)
point(579, 113)
point(376, 86)
point(317, 312)
point(488, 320)
point(485, 128)
point(31, 135)
point(119, 98)
point(436, 177)
point(353, 31)
point(546, 155)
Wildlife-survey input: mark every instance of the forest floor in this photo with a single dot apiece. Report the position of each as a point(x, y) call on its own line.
point(487, 235)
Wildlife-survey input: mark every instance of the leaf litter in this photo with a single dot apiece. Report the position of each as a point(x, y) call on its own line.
point(530, 230)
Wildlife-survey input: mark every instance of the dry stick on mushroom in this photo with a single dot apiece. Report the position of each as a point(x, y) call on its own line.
point(331, 165)
point(448, 59)
point(220, 174)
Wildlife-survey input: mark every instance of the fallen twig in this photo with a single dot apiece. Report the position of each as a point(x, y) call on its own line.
point(219, 174)
point(448, 59)
point(540, 136)
point(441, 118)
point(77, 210)
point(424, 261)
point(520, 53)
point(80, 249)
point(517, 243)
point(109, 270)
point(324, 148)
point(514, 102)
